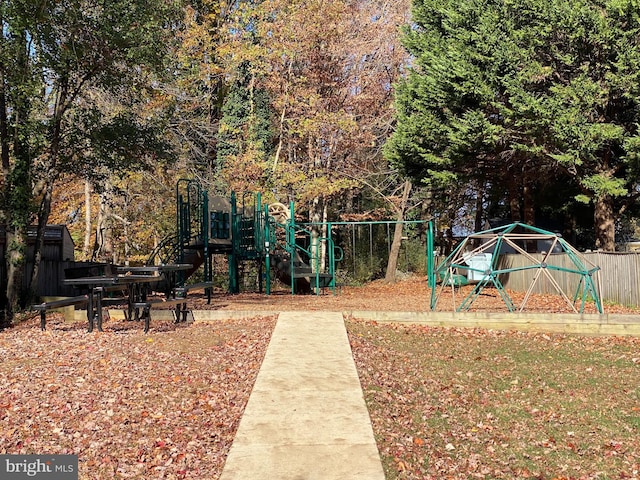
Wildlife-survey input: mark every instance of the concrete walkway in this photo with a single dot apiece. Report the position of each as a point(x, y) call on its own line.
point(306, 418)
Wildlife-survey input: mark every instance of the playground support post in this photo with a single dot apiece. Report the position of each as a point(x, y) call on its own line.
point(267, 246)
point(208, 264)
point(431, 274)
point(291, 242)
point(232, 257)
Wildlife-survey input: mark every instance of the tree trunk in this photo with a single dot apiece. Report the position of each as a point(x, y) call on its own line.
point(348, 200)
point(529, 213)
point(103, 249)
point(17, 239)
point(514, 202)
point(604, 222)
point(87, 219)
point(479, 216)
point(394, 252)
point(4, 129)
point(426, 213)
point(4, 158)
point(16, 189)
point(45, 205)
point(43, 219)
point(315, 214)
point(529, 205)
point(325, 234)
point(126, 242)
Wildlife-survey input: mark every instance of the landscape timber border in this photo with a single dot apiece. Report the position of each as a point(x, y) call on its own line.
point(562, 323)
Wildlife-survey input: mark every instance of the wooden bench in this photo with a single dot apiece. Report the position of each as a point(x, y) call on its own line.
point(63, 302)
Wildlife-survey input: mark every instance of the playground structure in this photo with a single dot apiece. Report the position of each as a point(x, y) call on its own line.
point(247, 231)
point(480, 256)
point(304, 255)
point(241, 228)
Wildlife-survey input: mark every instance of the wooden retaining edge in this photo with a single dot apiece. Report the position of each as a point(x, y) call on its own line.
point(581, 324)
point(212, 315)
point(198, 315)
point(157, 314)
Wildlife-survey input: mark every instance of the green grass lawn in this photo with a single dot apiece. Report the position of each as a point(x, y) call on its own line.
point(462, 403)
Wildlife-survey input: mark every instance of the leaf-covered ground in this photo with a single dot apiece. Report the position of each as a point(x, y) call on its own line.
point(451, 403)
point(410, 295)
point(445, 403)
point(162, 405)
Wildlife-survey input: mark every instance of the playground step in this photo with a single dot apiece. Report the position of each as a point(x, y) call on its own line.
point(306, 417)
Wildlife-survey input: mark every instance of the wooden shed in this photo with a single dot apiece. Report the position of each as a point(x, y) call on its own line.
point(57, 254)
point(58, 244)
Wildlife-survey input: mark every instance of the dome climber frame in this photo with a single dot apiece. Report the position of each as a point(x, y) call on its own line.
point(558, 257)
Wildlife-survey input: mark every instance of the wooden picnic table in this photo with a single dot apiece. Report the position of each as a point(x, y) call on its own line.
point(96, 286)
point(150, 269)
point(134, 282)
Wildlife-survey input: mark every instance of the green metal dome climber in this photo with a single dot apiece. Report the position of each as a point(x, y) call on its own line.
point(485, 265)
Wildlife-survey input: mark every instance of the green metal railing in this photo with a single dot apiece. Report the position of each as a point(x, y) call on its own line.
point(252, 237)
point(192, 213)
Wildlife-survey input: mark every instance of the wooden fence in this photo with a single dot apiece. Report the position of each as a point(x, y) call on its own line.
point(618, 279)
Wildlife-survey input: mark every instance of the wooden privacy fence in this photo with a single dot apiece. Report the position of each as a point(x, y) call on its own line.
point(619, 276)
point(618, 279)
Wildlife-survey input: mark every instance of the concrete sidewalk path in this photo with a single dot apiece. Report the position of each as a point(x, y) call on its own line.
point(306, 418)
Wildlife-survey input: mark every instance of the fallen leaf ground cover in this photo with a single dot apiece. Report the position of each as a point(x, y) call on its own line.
point(461, 403)
point(409, 295)
point(131, 406)
point(445, 403)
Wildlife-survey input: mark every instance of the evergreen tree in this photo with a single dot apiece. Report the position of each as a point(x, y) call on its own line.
point(522, 92)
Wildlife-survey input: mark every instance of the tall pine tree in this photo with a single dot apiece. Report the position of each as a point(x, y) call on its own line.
point(523, 92)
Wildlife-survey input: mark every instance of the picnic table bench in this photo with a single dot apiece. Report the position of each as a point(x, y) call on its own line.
point(80, 300)
point(142, 309)
point(184, 290)
point(97, 286)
